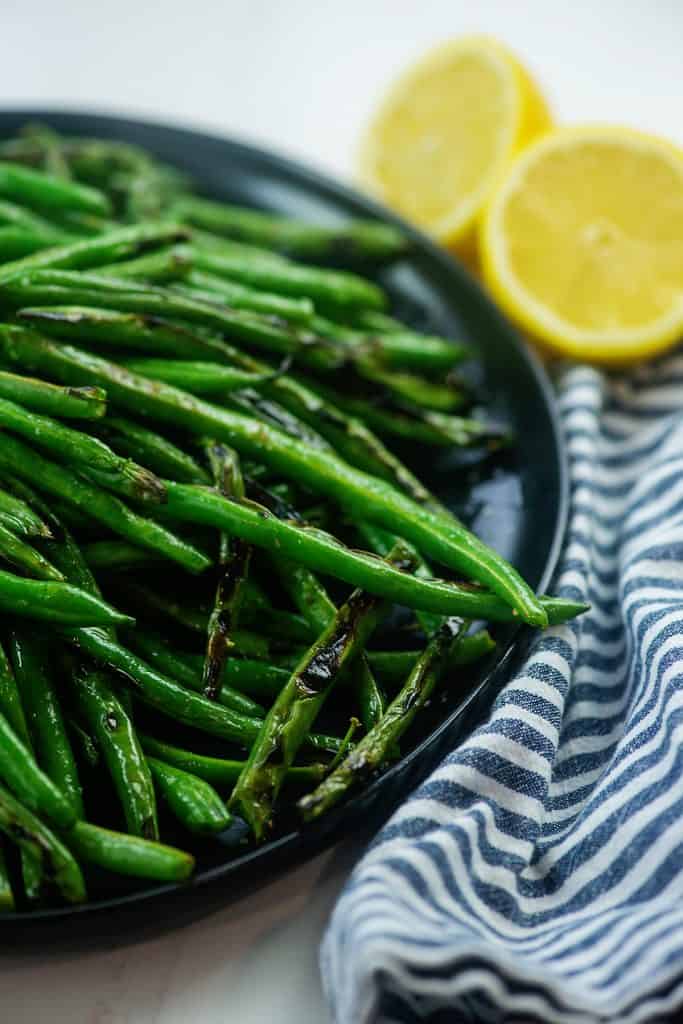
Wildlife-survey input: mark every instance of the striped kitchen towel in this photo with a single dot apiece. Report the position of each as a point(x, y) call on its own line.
point(538, 873)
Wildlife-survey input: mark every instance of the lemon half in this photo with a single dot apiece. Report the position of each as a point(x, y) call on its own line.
point(445, 133)
point(582, 243)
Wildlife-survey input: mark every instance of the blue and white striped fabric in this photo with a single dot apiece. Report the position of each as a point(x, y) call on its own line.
point(538, 874)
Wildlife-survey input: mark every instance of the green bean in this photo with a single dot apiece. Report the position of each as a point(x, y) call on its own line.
point(116, 739)
point(33, 877)
point(91, 457)
point(298, 704)
point(129, 855)
point(17, 516)
point(148, 603)
point(239, 296)
point(270, 412)
point(398, 349)
point(152, 450)
point(31, 664)
point(85, 403)
point(64, 287)
point(375, 748)
point(117, 244)
point(18, 216)
point(12, 710)
point(147, 643)
point(172, 263)
point(6, 894)
point(356, 239)
point(20, 518)
point(392, 666)
point(370, 698)
point(330, 289)
point(17, 458)
point(25, 185)
point(16, 243)
point(65, 402)
point(235, 561)
point(116, 554)
point(408, 387)
point(324, 553)
point(162, 693)
point(86, 743)
point(348, 435)
point(217, 771)
point(190, 799)
point(418, 425)
point(77, 225)
point(21, 555)
point(214, 243)
point(21, 826)
point(198, 377)
point(370, 498)
point(380, 542)
point(255, 678)
point(30, 784)
point(54, 161)
point(59, 603)
point(307, 592)
point(142, 334)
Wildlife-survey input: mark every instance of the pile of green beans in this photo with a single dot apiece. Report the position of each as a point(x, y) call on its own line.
point(204, 528)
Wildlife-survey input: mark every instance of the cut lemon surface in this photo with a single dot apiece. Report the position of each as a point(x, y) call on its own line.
point(582, 243)
point(445, 133)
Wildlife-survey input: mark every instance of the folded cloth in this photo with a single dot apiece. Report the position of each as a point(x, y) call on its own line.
point(538, 873)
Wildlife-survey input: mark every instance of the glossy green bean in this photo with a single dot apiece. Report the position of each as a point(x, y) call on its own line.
point(86, 403)
point(152, 450)
point(64, 287)
point(29, 783)
point(20, 518)
point(446, 541)
point(31, 663)
point(58, 603)
point(376, 747)
point(40, 844)
point(115, 735)
point(128, 855)
point(156, 336)
point(47, 476)
point(11, 709)
point(296, 707)
point(255, 678)
point(162, 693)
point(25, 558)
point(153, 648)
point(221, 773)
point(90, 456)
point(393, 666)
point(192, 800)
point(198, 377)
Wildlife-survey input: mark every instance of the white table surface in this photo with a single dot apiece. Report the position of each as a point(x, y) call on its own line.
point(299, 76)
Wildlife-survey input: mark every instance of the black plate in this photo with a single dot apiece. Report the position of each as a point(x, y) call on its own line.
point(518, 506)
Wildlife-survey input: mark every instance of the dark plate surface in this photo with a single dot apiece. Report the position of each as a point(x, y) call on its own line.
point(518, 505)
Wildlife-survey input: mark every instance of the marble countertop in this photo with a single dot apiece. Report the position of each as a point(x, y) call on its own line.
point(298, 76)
